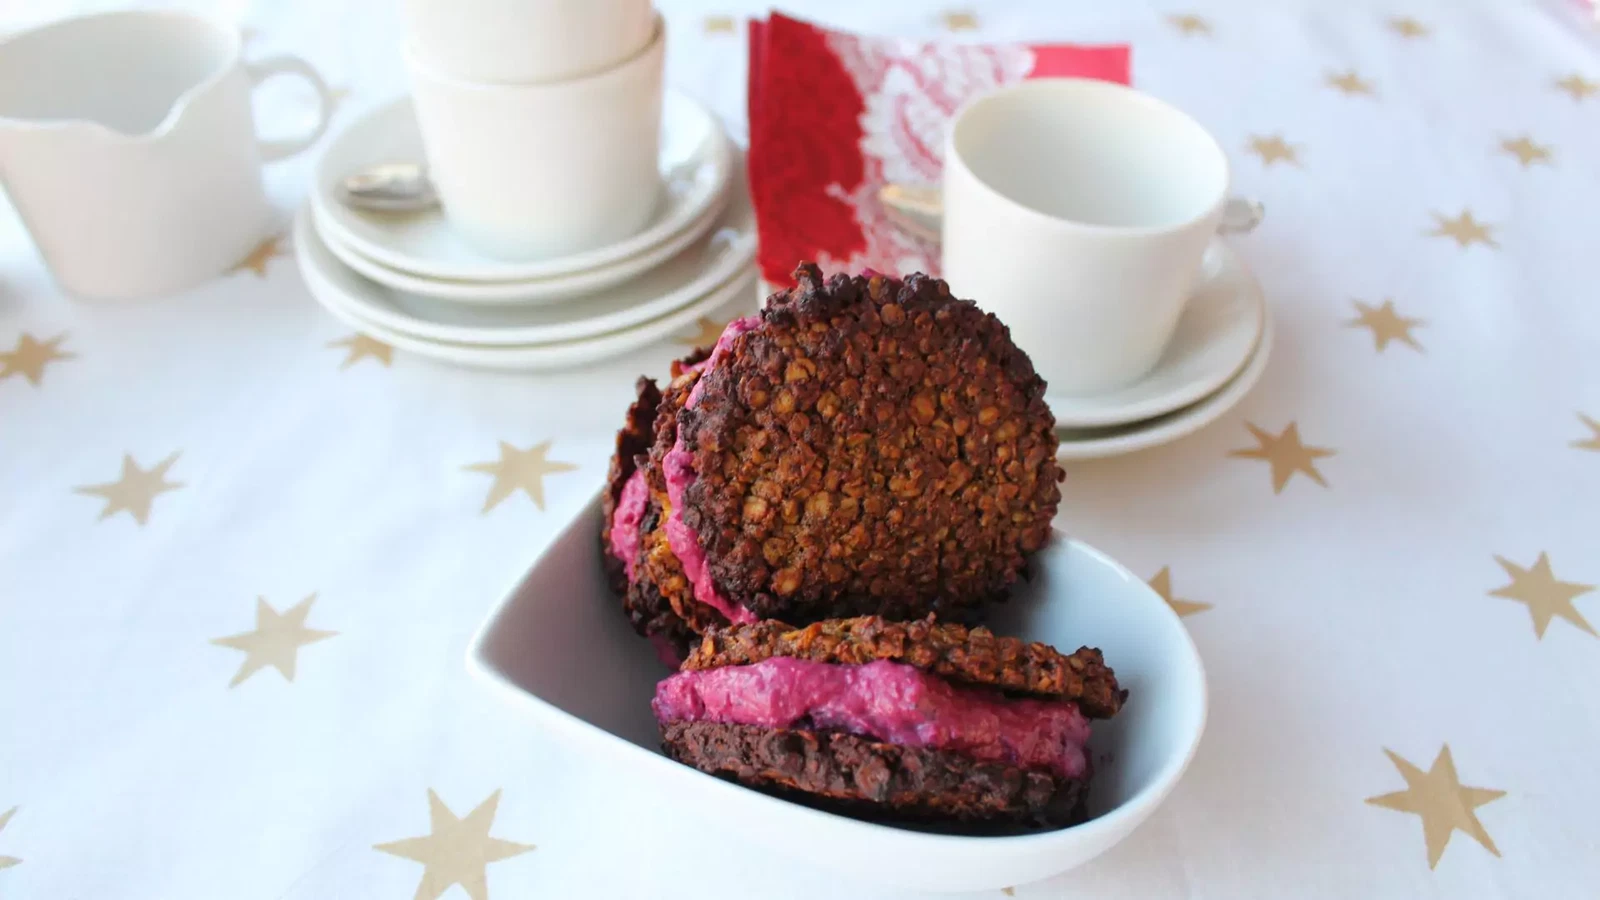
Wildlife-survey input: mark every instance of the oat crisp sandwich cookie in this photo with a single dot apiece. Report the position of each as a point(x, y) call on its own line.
point(923, 722)
point(865, 445)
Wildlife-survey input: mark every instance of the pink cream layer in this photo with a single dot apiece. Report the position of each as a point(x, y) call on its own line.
point(678, 469)
point(626, 518)
point(889, 701)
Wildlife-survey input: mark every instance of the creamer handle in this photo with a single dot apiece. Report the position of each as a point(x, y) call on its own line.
point(261, 70)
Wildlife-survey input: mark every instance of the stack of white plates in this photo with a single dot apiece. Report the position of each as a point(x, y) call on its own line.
point(1216, 356)
point(410, 281)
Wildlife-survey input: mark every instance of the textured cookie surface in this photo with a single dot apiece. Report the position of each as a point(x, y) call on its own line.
point(973, 656)
point(876, 446)
point(860, 776)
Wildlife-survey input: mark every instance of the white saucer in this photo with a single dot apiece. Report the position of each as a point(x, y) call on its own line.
point(1093, 443)
point(1214, 338)
point(333, 285)
point(696, 165)
point(690, 275)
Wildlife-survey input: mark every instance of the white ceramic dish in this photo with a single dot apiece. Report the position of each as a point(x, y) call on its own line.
point(332, 285)
point(1219, 328)
point(1093, 443)
point(696, 161)
point(678, 282)
point(560, 649)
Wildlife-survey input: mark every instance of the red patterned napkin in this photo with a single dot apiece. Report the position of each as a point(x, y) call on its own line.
point(835, 116)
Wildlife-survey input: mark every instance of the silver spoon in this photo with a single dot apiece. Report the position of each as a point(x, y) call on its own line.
point(389, 187)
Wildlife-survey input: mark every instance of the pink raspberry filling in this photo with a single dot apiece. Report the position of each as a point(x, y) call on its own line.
point(887, 701)
point(678, 469)
point(626, 519)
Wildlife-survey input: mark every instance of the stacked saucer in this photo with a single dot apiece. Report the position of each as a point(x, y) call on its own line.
point(410, 280)
point(1216, 356)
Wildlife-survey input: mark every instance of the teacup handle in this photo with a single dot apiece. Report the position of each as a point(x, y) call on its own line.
point(917, 210)
point(261, 70)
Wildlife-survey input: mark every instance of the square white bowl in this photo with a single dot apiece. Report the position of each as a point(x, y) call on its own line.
point(561, 648)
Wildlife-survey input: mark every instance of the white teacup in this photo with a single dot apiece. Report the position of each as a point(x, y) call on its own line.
point(536, 171)
point(127, 145)
point(1079, 211)
point(526, 41)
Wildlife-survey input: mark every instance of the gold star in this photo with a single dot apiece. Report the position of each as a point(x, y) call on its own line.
point(277, 640)
point(1286, 454)
point(1274, 148)
point(706, 336)
point(1386, 324)
point(719, 25)
point(961, 20)
point(1592, 443)
point(1407, 27)
point(457, 851)
point(1189, 24)
point(30, 357)
point(1577, 86)
point(1162, 583)
point(1009, 891)
point(135, 490)
point(362, 346)
point(519, 469)
point(1465, 229)
point(7, 862)
point(264, 253)
point(1546, 597)
point(1443, 803)
point(1350, 83)
point(1526, 151)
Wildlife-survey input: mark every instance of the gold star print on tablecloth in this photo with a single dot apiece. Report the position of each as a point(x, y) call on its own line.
point(361, 346)
point(1592, 442)
point(1407, 27)
point(259, 258)
point(1273, 148)
point(29, 357)
point(1577, 87)
point(1546, 596)
point(1439, 798)
point(960, 20)
point(1386, 324)
point(1464, 230)
point(1286, 454)
point(457, 850)
point(277, 640)
point(719, 25)
point(1161, 582)
point(1188, 23)
point(706, 336)
point(7, 862)
point(1526, 151)
point(522, 470)
point(135, 490)
point(1350, 83)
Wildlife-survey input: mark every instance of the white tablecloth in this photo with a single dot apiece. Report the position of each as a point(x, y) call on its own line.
point(1354, 623)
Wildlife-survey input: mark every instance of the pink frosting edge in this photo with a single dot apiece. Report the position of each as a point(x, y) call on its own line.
point(626, 519)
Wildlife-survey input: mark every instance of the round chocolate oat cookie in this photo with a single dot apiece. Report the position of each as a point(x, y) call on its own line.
point(872, 446)
point(860, 776)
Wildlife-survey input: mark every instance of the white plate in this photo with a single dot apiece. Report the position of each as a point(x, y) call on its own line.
point(1092, 443)
point(1219, 328)
point(696, 165)
point(333, 286)
point(685, 278)
point(561, 650)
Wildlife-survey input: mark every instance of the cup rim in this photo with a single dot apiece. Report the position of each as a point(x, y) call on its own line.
point(953, 158)
point(652, 47)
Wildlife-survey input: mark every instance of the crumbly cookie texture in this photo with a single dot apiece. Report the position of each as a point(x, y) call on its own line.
point(972, 656)
point(860, 776)
point(875, 446)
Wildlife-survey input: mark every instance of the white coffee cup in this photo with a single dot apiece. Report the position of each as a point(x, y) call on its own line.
point(128, 147)
point(526, 41)
point(530, 172)
point(1079, 211)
